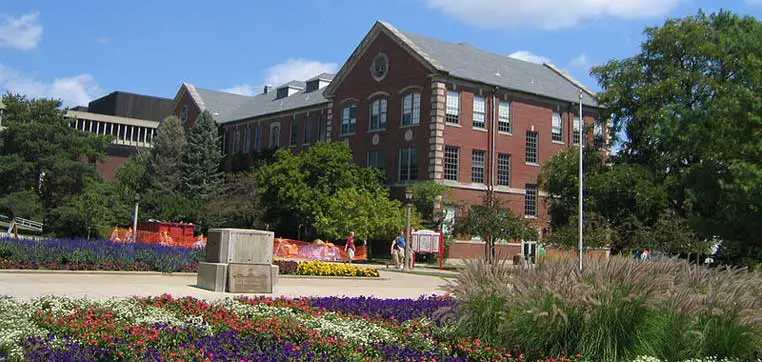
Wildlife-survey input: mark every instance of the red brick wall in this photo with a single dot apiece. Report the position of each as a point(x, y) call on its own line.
point(193, 110)
point(404, 71)
point(116, 156)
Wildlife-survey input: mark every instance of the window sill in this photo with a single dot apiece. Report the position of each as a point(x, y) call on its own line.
point(305, 144)
point(293, 146)
point(504, 133)
point(534, 164)
point(457, 125)
point(480, 129)
point(410, 125)
point(559, 142)
point(376, 130)
point(530, 217)
point(347, 134)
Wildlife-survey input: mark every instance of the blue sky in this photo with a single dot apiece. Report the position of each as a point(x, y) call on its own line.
point(78, 50)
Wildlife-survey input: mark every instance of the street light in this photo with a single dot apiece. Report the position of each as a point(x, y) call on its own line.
point(409, 206)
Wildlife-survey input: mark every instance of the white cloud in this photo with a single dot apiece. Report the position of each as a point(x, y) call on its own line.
point(529, 57)
point(72, 91)
point(581, 61)
point(548, 14)
point(297, 69)
point(242, 89)
point(23, 32)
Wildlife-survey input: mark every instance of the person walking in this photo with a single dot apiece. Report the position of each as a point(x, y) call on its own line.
point(398, 251)
point(349, 247)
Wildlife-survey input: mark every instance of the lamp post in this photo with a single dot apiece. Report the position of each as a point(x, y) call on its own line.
point(135, 219)
point(409, 205)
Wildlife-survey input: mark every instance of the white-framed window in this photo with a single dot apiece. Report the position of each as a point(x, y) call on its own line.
point(275, 136)
point(480, 109)
point(322, 129)
point(575, 138)
point(237, 140)
point(530, 200)
point(294, 138)
point(504, 169)
point(477, 166)
point(376, 159)
point(504, 117)
point(408, 169)
point(349, 119)
point(557, 132)
point(599, 140)
point(378, 114)
point(247, 139)
point(531, 147)
point(451, 163)
point(452, 113)
point(411, 109)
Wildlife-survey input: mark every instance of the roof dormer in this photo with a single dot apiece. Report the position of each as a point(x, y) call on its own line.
point(289, 89)
point(319, 82)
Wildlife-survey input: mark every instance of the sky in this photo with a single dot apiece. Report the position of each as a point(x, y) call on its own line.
point(79, 50)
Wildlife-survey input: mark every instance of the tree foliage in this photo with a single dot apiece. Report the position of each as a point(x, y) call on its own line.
point(424, 198)
point(234, 204)
point(492, 222)
point(201, 173)
point(40, 154)
point(164, 167)
point(295, 189)
point(370, 215)
point(690, 105)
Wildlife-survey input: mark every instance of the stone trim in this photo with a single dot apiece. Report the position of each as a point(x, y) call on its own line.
point(329, 122)
point(436, 130)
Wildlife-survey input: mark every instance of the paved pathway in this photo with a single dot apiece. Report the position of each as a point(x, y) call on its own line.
point(103, 285)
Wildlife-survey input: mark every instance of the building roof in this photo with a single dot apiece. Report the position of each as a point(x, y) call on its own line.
point(464, 61)
point(266, 103)
point(220, 104)
point(229, 107)
point(323, 76)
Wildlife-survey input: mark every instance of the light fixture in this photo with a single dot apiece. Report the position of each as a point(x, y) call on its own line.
point(408, 194)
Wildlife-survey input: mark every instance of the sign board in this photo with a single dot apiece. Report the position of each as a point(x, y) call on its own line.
point(425, 241)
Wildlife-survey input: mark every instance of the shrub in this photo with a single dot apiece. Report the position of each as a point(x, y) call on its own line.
point(328, 269)
point(286, 267)
point(614, 310)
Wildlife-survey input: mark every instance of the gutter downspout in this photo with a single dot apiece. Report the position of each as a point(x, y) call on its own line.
point(493, 131)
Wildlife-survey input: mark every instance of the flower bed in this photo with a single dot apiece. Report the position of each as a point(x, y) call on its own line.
point(245, 329)
point(330, 269)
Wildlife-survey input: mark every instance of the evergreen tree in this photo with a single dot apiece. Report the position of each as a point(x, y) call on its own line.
point(201, 173)
point(164, 169)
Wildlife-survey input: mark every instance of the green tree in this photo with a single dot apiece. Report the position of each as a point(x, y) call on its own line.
point(493, 222)
point(40, 153)
point(424, 198)
point(234, 203)
point(201, 173)
point(371, 215)
point(164, 165)
point(690, 105)
point(295, 189)
point(91, 213)
point(132, 175)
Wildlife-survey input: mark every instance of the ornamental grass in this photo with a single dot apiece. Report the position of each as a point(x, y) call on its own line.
point(614, 310)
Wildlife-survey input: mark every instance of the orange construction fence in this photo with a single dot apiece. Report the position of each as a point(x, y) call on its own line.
point(317, 250)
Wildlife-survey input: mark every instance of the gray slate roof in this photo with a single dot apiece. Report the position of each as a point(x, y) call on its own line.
point(229, 107)
point(222, 104)
point(466, 62)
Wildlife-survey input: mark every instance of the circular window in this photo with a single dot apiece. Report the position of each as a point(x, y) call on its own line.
point(380, 67)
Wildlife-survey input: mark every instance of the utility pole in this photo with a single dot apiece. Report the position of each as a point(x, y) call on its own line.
point(135, 220)
point(581, 145)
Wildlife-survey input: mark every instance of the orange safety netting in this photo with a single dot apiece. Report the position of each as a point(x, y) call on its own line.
point(152, 237)
point(318, 250)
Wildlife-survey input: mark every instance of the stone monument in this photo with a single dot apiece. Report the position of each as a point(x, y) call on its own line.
point(238, 261)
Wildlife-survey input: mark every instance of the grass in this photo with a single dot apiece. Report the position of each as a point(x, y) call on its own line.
point(614, 310)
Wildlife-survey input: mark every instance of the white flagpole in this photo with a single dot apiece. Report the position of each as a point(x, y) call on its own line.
point(581, 143)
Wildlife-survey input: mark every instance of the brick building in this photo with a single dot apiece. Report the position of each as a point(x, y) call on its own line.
point(421, 109)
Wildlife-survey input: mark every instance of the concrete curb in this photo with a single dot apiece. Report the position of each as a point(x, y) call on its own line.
point(152, 273)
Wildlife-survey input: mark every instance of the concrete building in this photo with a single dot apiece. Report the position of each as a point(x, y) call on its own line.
point(131, 119)
point(421, 109)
